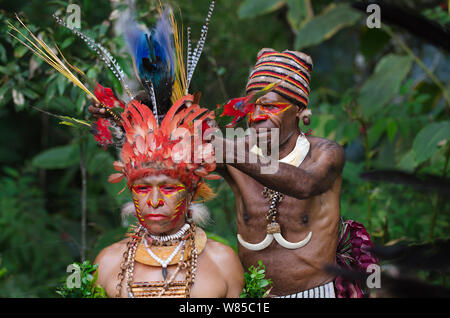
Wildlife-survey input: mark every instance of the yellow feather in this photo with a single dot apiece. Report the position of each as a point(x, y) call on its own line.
point(179, 87)
point(43, 51)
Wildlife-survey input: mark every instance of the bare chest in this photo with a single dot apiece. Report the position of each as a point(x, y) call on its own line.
point(198, 283)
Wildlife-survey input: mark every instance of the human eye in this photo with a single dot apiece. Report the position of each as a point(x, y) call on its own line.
point(170, 188)
point(142, 189)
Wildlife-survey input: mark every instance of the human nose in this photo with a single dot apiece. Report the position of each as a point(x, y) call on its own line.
point(258, 110)
point(154, 199)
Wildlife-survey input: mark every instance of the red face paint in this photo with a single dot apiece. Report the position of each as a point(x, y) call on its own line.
point(138, 212)
point(274, 109)
point(168, 206)
point(158, 203)
point(141, 189)
point(179, 211)
point(169, 189)
point(258, 118)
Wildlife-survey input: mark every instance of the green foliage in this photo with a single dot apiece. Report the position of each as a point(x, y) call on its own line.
point(426, 143)
point(28, 236)
point(384, 83)
point(369, 93)
point(3, 271)
point(299, 13)
point(253, 8)
point(256, 285)
point(87, 288)
point(325, 25)
point(58, 157)
point(372, 41)
point(438, 14)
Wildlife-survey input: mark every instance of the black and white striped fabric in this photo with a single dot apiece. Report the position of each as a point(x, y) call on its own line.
point(323, 291)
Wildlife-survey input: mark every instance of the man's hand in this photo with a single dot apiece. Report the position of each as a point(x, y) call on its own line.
point(97, 111)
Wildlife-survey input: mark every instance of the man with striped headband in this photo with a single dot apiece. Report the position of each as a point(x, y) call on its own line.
point(289, 219)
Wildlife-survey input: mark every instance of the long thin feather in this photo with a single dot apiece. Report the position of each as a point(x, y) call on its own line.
point(42, 50)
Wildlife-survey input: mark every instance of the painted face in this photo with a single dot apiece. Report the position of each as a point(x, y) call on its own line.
point(273, 111)
point(270, 106)
point(160, 203)
point(267, 109)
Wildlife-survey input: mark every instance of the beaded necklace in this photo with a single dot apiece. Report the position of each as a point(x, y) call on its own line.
point(165, 262)
point(166, 288)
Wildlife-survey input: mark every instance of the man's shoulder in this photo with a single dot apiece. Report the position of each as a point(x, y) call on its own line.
point(321, 146)
point(222, 250)
point(112, 253)
point(221, 254)
point(324, 144)
point(226, 260)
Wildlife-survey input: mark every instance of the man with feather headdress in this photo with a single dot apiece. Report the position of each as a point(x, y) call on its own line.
point(156, 161)
point(166, 254)
point(293, 214)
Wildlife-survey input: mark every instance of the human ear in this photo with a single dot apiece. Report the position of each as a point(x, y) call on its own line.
point(304, 115)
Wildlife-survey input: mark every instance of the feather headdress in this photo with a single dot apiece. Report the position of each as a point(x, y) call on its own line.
point(158, 58)
point(154, 58)
point(149, 145)
point(168, 148)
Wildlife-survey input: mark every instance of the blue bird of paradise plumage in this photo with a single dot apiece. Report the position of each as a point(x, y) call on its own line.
point(154, 57)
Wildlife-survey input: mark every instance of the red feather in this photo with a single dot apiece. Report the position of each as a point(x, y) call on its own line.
point(238, 108)
point(106, 96)
point(103, 136)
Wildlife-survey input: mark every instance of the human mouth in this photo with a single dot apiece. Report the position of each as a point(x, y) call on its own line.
point(155, 216)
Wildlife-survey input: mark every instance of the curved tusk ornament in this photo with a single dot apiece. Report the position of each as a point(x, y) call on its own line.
point(292, 246)
point(269, 238)
point(258, 246)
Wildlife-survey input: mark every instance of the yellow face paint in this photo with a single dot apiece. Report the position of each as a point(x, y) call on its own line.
point(266, 109)
point(170, 190)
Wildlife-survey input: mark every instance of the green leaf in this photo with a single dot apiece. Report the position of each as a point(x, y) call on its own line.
point(372, 41)
point(263, 283)
point(376, 131)
point(299, 13)
point(255, 282)
point(61, 84)
point(391, 128)
point(426, 142)
point(68, 41)
point(50, 91)
point(11, 172)
point(254, 8)
point(325, 25)
point(57, 158)
point(20, 51)
point(407, 162)
point(379, 89)
point(2, 54)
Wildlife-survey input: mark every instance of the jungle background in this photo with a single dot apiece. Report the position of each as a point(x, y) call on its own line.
point(381, 93)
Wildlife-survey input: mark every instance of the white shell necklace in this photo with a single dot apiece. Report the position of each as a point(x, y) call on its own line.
point(165, 262)
point(171, 237)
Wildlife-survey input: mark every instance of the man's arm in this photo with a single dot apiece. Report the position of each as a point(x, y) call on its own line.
point(328, 160)
point(229, 267)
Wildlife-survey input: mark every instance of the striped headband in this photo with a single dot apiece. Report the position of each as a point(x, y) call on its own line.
point(271, 66)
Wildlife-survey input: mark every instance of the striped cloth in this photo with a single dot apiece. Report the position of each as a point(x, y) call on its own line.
point(271, 66)
point(323, 291)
